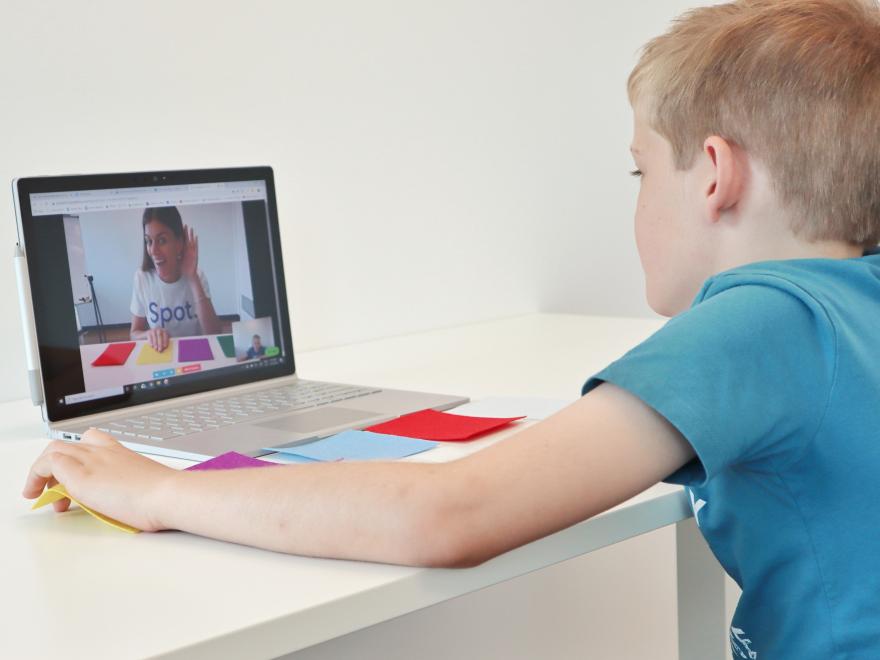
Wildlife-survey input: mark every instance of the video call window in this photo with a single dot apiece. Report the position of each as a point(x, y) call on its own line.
point(161, 281)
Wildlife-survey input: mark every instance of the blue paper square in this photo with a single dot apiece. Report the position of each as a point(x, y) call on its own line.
point(358, 446)
point(282, 458)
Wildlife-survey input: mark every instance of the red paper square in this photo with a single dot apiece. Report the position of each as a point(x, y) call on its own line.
point(445, 427)
point(114, 355)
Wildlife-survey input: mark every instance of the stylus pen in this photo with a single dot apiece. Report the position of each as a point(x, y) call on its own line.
point(27, 326)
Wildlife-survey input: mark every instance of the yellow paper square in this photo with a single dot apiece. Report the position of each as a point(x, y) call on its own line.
point(59, 492)
point(150, 355)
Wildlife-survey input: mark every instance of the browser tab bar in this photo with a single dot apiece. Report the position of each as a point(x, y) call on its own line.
point(82, 201)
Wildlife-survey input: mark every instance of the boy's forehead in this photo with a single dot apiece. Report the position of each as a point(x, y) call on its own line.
point(641, 130)
point(640, 137)
point(645, 139)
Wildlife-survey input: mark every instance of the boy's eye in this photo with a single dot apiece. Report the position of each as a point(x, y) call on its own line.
point(636, 173)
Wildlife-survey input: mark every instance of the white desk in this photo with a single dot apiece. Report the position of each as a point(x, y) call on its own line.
point(73, 588)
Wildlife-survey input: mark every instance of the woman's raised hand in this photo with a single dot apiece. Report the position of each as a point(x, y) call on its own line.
point(189, 264)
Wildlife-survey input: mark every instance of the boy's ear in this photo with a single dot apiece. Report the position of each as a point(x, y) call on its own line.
point(728, 176)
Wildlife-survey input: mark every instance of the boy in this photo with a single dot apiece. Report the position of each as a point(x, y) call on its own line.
point(757, 134)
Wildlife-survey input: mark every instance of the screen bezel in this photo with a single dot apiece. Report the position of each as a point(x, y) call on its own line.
point(29, 185)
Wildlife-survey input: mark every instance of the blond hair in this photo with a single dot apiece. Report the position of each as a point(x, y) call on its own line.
point(796, 83)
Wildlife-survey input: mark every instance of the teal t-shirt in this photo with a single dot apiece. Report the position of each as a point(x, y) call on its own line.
point(772, 377)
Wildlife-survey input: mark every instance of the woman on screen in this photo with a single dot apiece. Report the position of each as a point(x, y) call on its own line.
point(170, 296)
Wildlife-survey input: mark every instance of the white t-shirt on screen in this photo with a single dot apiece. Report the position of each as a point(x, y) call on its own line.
point(167, 305)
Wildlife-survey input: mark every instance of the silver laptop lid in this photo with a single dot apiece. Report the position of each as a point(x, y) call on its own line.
point(191, 257)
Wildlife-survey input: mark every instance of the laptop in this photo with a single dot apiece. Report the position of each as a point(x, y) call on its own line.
point(155, 308)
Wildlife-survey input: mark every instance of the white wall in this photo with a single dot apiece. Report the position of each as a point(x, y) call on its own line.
point(113, 244)
point(437, 163)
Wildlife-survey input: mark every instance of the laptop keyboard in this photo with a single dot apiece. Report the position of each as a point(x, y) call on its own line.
point(207, 415)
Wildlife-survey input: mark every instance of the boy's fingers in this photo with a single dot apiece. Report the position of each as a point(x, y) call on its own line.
point(60, 445)
point(67, 468)
point(41, 473)
point(95, 437)
point(58, 463)
point(61, 505)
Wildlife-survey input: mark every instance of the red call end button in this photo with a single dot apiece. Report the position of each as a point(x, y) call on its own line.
point(188, 369)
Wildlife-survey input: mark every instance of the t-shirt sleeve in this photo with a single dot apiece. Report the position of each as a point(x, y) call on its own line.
point(138, 306)
point(745, 376)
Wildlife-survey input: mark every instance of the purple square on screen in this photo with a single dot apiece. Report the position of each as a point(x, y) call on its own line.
point(193, 350)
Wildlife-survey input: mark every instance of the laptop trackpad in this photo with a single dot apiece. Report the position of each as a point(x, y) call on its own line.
point(323, 418)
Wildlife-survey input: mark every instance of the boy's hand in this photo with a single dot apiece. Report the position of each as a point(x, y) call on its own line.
point(103, 475)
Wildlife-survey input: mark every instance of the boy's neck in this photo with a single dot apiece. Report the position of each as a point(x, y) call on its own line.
point(782, 248)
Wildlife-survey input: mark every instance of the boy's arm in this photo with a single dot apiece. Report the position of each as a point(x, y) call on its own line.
point(596, 453)
point(592, 455)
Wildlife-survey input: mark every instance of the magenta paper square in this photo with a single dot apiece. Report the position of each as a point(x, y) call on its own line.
point(193, 350)
point(229, 461)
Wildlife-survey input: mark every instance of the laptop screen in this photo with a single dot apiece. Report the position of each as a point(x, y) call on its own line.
point(153, 285)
